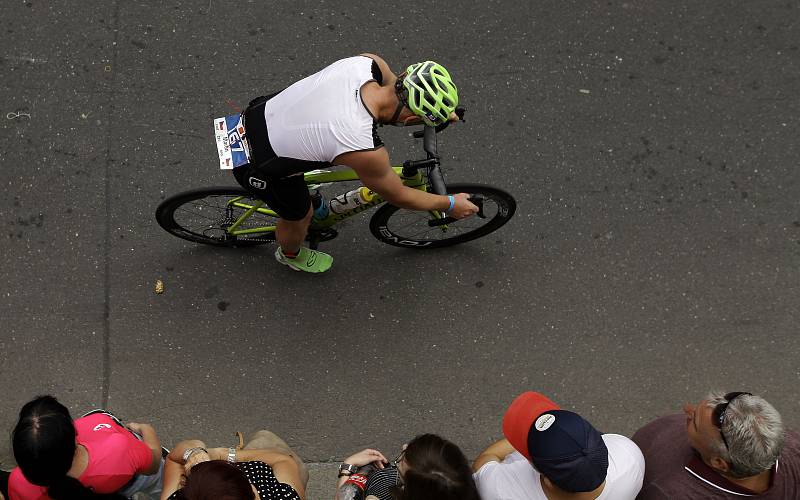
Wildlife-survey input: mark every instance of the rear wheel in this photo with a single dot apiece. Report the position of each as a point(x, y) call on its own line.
point(411, 229)
point(204, 216)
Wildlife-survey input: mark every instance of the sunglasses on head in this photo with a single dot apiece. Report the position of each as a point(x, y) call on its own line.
point(718, 415)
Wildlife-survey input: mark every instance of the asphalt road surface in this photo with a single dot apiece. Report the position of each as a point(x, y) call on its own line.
point(652, 147)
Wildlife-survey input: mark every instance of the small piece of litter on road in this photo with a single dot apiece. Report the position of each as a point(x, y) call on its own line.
point(159, 289)
point(17, 114)
point(584, 91)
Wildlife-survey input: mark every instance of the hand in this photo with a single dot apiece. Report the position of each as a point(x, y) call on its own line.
point(462, 207)
point(139, 428)
point(195, 458)
point(458, 114)
point(365, 457)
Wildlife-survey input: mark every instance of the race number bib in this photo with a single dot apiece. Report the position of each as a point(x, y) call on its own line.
point(231, 142)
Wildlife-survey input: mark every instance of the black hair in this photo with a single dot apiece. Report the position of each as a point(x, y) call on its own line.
point(436, 470)
point(216, 480)
point(4, 483)
point(44, 447)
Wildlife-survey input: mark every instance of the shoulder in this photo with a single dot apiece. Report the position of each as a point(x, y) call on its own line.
point(622, 446)
point(96, 422)
point(100, 426)
point(115, 441)
point(378, 59)
point(388, 76)
point(503, 480)
point(793, 440)
point(660, 428)
point(790, 456)
point(507, 468)
point(625, 466)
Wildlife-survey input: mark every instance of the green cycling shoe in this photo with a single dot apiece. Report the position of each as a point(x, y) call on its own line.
point(307, 260)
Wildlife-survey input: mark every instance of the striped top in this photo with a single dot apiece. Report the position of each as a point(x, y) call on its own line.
point(381, 481)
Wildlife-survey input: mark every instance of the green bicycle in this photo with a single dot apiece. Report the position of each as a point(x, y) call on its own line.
point(233, 217)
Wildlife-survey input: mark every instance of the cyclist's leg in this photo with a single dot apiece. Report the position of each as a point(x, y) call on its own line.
point(279, 182)
point(291, 233)
point(289, 198)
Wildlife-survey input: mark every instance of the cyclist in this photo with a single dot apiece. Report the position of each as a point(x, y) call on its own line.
point(331, 118)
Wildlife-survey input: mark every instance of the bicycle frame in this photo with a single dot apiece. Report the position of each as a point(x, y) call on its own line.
point(315, 179)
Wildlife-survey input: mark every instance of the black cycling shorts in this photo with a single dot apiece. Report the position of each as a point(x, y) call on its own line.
point(275, 179)
point(288, 196)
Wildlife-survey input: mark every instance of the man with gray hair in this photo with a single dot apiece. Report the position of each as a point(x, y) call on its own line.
point(727, 446)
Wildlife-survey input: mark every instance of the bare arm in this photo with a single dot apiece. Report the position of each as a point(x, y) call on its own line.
point(375, 171)
point(150, 438)
point(174, 468)
point(361, 459)
point(173, 472)
point(496, 452)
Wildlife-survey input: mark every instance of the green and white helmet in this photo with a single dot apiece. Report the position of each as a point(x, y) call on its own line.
point(431, 93)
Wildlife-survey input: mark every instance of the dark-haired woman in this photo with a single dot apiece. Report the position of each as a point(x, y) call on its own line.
point(428, 468)
point(265, 469)
point(93, 457)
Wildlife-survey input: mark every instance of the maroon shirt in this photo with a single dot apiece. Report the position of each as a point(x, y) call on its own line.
point(674, 471)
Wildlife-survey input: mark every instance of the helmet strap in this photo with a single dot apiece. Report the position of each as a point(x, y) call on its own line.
point(397, 112)
point(402, 101)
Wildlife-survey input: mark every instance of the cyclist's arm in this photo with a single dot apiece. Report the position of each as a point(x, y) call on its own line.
point(375, 171)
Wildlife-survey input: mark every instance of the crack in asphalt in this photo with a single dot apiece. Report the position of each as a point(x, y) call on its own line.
point(106, 384)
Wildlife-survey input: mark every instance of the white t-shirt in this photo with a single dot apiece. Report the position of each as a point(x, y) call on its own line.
point(323, 116)
point(515, 478)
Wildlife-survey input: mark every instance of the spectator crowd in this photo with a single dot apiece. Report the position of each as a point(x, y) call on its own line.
point(730, 445)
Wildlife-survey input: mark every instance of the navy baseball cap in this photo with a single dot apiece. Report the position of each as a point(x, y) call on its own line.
point(560, 444)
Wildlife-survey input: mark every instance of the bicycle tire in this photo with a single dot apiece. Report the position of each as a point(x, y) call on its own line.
point(409, 228)
point(210, 208)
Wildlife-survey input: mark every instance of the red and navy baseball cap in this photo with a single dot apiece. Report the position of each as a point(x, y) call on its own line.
point(560, 444)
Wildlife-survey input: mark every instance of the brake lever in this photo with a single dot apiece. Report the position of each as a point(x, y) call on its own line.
point(477, 200)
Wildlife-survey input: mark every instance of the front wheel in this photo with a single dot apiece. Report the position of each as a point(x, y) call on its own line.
point(410, 229)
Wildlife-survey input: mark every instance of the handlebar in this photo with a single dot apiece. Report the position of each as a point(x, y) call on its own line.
point(428, 136)
point(437, 180)
point(429, 144)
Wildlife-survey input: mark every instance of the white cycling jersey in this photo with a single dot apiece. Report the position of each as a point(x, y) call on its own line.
point(323, 115)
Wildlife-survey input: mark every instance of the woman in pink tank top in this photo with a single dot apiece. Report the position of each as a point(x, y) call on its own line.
point(93, 457)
